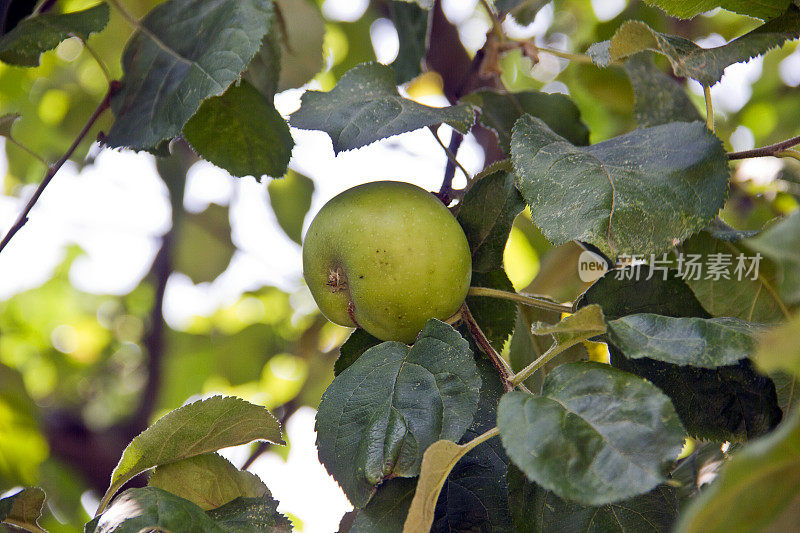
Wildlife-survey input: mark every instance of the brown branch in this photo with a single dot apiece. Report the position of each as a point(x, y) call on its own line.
point(113, 88)
point(484, 344)
point(764, 151)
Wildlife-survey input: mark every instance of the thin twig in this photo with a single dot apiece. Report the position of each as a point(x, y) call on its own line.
point(96, 58)
point(54, 168)
point(497, 24)
point(709, 108)
point(526, 299)
point(28, 151)
point(765, 151)
point(497, 360)
point(578, 58)
point(446, 192)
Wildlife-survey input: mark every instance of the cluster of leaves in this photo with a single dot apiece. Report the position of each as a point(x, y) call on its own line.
point(411, 432)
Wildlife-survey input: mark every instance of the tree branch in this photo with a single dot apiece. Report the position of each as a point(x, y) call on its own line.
point(113, 88)
point(480, 338)
point(764, 151)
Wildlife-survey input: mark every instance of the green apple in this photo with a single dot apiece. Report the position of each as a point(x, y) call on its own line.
point(386, 256)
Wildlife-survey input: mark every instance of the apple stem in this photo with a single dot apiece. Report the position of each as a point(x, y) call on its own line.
point(480, 338)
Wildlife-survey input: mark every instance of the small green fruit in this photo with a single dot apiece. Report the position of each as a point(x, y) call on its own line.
point(386, 256)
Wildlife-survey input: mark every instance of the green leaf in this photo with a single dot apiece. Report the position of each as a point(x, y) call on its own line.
point(705, 65)
point(208, 480)
point(167, 75)
point(699, 342)
point(23, 508)
point(781, 243)
point(386, 511)
point(356, 344)
point(251, 515)
point(757, 490)
point(290, 199)
point(303, 30)
point(658, 98)
point(731, 403)
point(365, 107)
point(596, 435)
point(242, 132)
point(204, 248)
point(475, 496)
point(495, 316)
point(671, 179)
point(499, 112)
point(537, 510)
point(23, 448)
point(7, 122)
point(524, 11)
point(749, 296)
point(438, 461)
point(39, 33)
point(411, 22)
point(152, 509)
point(763, 9)
point(380, 414)
point(486, 214)
point(194, 429)
point(586, 322)
point(779, 348)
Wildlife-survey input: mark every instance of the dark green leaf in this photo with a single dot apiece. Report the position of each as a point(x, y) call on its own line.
point(499, 112)
point(486, 214)
point(380, 414)
point(726, 403)
point(700, 342)
point(781, 243)
point(193, 429)
point(208, 480)
point(763, 9)
point(671, 179)
point(748, 295)
point(241, 132)
point(411, 22)
point(524, 11)
point(387, 510)
point(204, 248)
point(356, 344)
point(596, 435)
point(658, 98)
point(150, 508)
point(365, 107)
point(188, 51)
point(758, 490)
point(290, 199)
point(251, 515)
point(39, 33)
point(705, 65)
point(23, 508)
point(536, 510)
point(495, 316)
point(475, 496)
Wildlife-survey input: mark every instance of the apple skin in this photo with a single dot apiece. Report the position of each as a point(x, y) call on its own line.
point(386, 256)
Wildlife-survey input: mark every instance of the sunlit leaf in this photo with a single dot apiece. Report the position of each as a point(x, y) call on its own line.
point(242, 132)
point(39, 33)
point(781, 243)
point(380, 414)
point(204, 247)
point(705, 65)
point(290, 199)
point(779, 348)
point(763, 9)
point(186, 51)
point(208, 480)
point(194, 429)
point(671, 179)
point(365, 107)
point(596, 435)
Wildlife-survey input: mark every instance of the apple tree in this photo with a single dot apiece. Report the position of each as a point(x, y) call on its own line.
point(595, 330)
